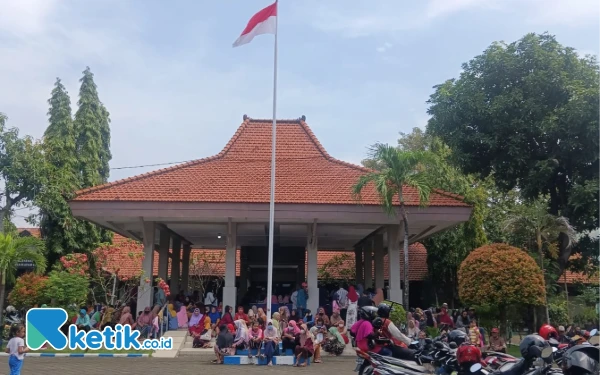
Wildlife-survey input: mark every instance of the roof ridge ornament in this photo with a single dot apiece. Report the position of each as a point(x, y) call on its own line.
point(245, 118)
point(302, 118)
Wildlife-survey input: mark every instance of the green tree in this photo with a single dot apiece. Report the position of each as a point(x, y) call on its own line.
point(92, 134)
point(398, 170)
point(21, 170)
point(66, 289)
point(534, 221)
point(14, 250)
point(337, 269)
point(526, 113)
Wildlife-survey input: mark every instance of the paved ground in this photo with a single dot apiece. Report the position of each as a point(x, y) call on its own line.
point(182, 365)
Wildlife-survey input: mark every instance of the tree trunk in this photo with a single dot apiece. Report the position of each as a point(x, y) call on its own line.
point(405, 290)
point(540, 247)
point(2, 294)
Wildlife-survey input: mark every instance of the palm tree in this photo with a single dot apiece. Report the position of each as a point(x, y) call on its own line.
point(533, 220)
point(395, 171)
point(14, 250)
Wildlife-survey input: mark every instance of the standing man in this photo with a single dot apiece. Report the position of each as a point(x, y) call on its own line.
point(302, 299)
point(341, 296)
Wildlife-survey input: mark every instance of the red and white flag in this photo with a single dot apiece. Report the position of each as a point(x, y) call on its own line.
point(263, 22)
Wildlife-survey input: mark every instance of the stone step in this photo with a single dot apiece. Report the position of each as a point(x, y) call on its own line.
point(287, 360)
point(188, 352)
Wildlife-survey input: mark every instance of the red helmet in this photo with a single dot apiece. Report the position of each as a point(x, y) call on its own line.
point(547, 332)
point(468, 354)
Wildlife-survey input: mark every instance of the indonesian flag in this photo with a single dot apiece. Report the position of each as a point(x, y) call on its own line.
point(263, 22)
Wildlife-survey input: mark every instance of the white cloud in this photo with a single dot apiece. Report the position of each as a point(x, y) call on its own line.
point(386, 46)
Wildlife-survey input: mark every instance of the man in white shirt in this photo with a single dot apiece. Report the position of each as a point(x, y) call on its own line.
point(294, 299)
point(210, 299)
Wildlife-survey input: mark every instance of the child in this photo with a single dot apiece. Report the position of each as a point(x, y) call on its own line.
point(474, 334)
point(16, 349)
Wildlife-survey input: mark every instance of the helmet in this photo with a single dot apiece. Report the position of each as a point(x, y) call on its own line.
point(457, 336)
point(10, 309)
point(547, 332)
point(377, 323)
point(383, 310)
point(367, 313)
point(531, 346)
point(467, 355)
point(581, 360)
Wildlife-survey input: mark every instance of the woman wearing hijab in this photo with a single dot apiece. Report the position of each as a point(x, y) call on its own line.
point(144, 322)
point(288, 337)
point(294, 317)
point(335, 319)
point(198, 326)
point(255, 339)
point(334, 344)
point(271, 340)
point(319, 334)
point(182, 317)
point(352, 312)
point(275, 322)
point(227, 318)
point(126, 317)
point(262, 317)
point(413, 331)
point(241, 335)
point(305, 348)
point(224, 344)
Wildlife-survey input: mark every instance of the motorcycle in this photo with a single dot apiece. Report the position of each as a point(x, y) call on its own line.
point(369, 363)
point(12, 316)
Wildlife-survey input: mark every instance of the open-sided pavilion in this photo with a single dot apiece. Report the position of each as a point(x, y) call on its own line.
point(223, 202)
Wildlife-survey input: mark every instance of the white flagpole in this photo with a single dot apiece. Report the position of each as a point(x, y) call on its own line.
point(272, 200)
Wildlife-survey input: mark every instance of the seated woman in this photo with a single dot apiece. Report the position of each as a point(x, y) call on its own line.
point(271, 340)
point(182, 317)
point(241, 335)
point(322, 315)
point(288, 337)
point(126, 317)
point(334, 343)
point(318, 334)
point(224, 344)
point(198, 326)
point(83, 320)
point(255, 339)
point(305, 348)
point(335, 318)
point(341, 328)
point(144, 323)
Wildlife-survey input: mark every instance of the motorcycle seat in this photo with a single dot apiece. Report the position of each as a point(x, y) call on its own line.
point(400, 363)
point(518, 368)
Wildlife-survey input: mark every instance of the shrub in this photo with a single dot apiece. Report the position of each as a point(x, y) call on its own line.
point(398, 314)
point(500, 275)
point(28, 290)
point(65, 288)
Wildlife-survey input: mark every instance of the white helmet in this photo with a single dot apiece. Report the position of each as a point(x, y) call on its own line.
point(10, 309)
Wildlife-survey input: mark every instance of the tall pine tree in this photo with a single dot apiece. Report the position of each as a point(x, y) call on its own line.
point(73, 150)
point(92, 129)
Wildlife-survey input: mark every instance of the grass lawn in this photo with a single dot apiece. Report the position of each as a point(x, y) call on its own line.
point(513, 350)
point(100, 351)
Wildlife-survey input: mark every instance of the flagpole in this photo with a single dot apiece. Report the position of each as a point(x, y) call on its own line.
point(272, 199)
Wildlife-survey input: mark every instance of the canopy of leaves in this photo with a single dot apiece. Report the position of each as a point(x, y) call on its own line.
point(500, 275)
point(21, 170)
point(66, 288)
point(526, 113)
point(16, 249)
point(397, 314)
point(29, 290)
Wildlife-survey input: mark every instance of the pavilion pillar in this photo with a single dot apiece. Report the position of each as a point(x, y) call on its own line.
point(312, 278)
point(229, 290)
point(243, 289)
point(144, 294)
point(185, 265)
point(368, 254)
point(163, 255)
point(379, 272)
point(393, 233)
point(176, 265)
point(358, 262)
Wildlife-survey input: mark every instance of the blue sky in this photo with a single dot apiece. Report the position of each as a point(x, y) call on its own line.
point(361, 71)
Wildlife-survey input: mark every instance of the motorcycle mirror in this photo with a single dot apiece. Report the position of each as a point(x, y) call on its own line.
point(593, 332)
point(414, 343)
point(553, 342)
point(453, 345)
point(595, 340)
point(547, 353)
point(476, 367)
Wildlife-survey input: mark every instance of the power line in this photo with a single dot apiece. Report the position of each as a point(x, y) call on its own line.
point(152, 165)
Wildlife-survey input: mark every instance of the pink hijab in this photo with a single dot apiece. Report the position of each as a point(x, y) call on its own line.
point(294, 326)
point(182, 318)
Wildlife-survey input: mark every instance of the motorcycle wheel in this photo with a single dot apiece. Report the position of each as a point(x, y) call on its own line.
point(365, 369)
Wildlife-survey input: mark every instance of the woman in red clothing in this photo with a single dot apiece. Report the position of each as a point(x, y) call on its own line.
point(306, 348)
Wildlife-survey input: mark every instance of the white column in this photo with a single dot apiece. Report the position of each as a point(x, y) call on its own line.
point(368, 254)
point(185, 267)
point(358, 264)
point(312, 275)
point(144, 297)
point(229, 290)
point(379, 272)
point(393, 233)
point(163, 254)
point(176, 265)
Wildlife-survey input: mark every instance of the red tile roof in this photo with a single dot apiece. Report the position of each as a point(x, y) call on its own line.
point(576, 277)
point(240, 173)
point(417, 260)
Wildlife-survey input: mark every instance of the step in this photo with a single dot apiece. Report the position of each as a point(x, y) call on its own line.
point(195, 352)
point(255, 352)
point(287, 360)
